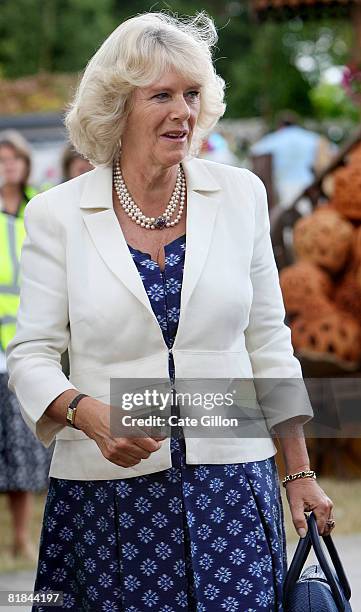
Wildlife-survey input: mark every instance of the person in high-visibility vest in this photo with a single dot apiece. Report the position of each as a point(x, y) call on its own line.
point(24, 462)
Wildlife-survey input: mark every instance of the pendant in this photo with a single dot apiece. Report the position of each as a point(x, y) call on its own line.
point(160, 222)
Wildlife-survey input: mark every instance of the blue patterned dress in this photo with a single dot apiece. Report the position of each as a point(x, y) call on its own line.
point(198, 538)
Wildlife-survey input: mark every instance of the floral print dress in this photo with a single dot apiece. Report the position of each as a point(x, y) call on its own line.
point(198, 538)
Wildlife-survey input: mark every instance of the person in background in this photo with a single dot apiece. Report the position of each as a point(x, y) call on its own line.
point(297, 155)
point(24, 461)
point(73, 164)
point(216, 148)
point(15, 162)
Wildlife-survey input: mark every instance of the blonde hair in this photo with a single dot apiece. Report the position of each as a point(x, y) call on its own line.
point(135, 55)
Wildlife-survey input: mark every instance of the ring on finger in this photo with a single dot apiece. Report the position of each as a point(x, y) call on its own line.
point(330, 523)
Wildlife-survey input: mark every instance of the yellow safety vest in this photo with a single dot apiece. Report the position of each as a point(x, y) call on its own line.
point(12, 234)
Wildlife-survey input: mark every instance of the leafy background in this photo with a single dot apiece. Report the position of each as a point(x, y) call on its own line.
point(267, 67)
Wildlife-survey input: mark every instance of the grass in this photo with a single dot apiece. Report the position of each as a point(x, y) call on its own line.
point(346, 496)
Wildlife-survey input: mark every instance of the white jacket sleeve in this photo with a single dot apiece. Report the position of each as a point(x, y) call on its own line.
point(268, 338)
point(42, 330)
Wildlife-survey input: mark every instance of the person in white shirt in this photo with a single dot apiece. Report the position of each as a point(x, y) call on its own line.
point(297, 155)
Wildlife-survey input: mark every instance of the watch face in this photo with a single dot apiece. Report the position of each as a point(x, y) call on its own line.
point(69, 416)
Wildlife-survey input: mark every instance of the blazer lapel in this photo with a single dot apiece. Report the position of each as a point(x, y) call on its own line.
point(109, 240)
point(107, 236)
point(202, 206)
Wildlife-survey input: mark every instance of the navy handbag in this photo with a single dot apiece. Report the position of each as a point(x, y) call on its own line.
point(319, 588)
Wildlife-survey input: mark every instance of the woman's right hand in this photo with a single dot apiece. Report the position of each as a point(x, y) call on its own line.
point(93, 418)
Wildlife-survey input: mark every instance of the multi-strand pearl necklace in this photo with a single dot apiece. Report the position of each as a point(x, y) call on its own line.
point(134, 212)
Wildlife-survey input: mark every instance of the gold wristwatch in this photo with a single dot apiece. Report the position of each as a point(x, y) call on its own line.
point(71, 410)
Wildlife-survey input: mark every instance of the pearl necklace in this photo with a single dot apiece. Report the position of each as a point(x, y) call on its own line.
point(134, 212)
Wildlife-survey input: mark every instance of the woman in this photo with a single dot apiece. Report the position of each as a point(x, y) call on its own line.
point(24, 462)
point(133, 523)
point(73, 164)
point(15, 192)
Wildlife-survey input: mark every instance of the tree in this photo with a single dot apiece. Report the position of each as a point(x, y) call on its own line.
point(51, 35)
point(263, 64)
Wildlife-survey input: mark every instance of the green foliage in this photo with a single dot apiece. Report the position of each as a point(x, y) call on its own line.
point(81, 27)
point(331, 102)
point(51, 35)
point(21, 37)
point(257, 63)
point(261, 63)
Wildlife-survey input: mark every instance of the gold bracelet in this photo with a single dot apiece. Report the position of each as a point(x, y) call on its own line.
point(303, 474)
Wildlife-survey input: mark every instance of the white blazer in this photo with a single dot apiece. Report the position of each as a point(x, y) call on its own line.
point(81, 290)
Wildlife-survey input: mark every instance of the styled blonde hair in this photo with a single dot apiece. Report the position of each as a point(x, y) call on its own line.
point(137, 54)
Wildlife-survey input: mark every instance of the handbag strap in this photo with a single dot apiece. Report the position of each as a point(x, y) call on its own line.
point(338, 566)
point(299, 559)
point(312, 525)
point(312, 538)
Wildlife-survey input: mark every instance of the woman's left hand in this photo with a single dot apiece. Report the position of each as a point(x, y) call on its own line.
point(305, 495)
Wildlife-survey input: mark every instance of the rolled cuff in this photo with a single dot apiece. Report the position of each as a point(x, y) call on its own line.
point(45, 386)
